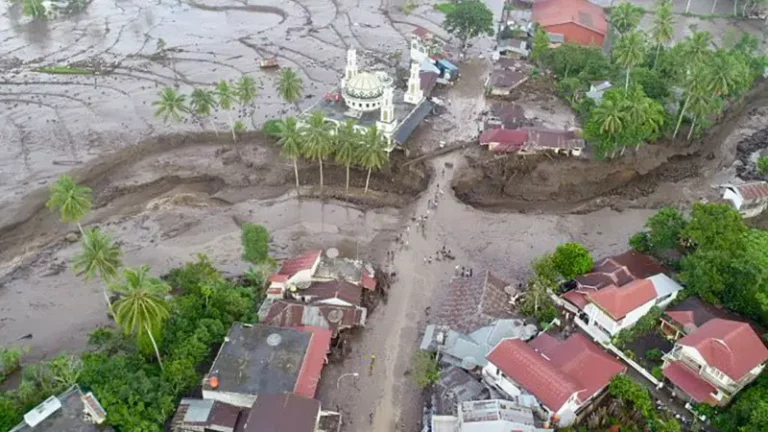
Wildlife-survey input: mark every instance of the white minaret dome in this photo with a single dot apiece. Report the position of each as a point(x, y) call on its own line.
point(365, 85)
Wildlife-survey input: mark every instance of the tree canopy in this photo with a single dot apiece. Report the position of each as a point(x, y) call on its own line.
point(255, 240)
point(572, 259)
point(469, 19)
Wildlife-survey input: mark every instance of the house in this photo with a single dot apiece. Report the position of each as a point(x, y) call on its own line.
point(201, 415)
point(501, 82)
point(423, 44)
point(258, 359)
point(283, 313)
point(71, 411)
point(332, 292)
point(504, 140)
point(715, 362)
point(505, 116)
point(454, 386)
point(577, 21)
point(489, 416)
point(687, 316)
point(512, 48)
point(556, 141)
point(614, 297)
point(469, 351)
point(294, 272)
point(475, 302)
point(285, 412)
point(597, 89)
point(750, 199)
point(564, 376)
point(279, 412)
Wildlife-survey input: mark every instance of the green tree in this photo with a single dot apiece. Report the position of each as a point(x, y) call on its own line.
point(626, 389)
point(728, 73)
point(317, 140)
point(541, 48)
point(33, 8)
point(716, 227)
point(426, 370)
point(245, 90)
point(696, 90)
point(201, 103)
point(663, 29)
point(572, 259)
point(290, 86)
point(347, 147)
point(666, 228)
point(100, 256)
point(545, 269)
point(762, 165)
point(629, 52)
point(606, 125)
point(255, 240)
point(290, 142)
point(171, 105)
point(373, 153)
point(625, 17)
point(469, 19)
point(141, 309)
point(536, 302)
point(226, 100)
point(71, 200)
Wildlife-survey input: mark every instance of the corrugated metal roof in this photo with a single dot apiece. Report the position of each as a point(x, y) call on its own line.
point(198, 410)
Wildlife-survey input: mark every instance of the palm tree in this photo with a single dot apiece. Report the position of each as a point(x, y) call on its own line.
point(609, 119)
point(347, 146)
point(71, 200)
point(725, 74)
point(291, 143)
point(373, 153)
point(142, 308)
point(625, 17)
point(226, 99)
point(663, 27)
point(695, 87)
point(100, 256)
point(171, 105)
point(245, 90)
point(317, 140)
point(696, 47)
point(290, 86)
point(202, 102)
point(630, 51)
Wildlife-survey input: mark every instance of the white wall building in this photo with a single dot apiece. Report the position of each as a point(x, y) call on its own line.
point(750, 199)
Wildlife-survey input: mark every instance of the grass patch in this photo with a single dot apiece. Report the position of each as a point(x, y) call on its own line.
point(64, 70)
point(445, 8)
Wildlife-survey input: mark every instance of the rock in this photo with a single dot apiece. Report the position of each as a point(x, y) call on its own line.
point(72, 237)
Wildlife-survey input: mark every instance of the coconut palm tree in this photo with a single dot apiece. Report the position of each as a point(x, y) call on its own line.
point(171, 105)
point(696, 47)
point(142, 309)
point(290, 86)
point(625, 17)
point(226, 100)
point(629, 52)
point(347, 146)
point(695, 88)
point(663, 27)
point(71, 200)
point(317, 140)
point(726, 74)
point(245, 90)
point(290, 142)
point(202, 102)
point(100, 256)
point(609, 120)
point(373, 153)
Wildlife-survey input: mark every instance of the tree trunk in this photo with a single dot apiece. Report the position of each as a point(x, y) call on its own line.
point(687, 6)
point(213, 125)
point(626, 84)
point(80, 227)
point(693, 126)
point(714, 5)
point(296, 173)
point(154, 344)
point(623, 149)
point(656, 59)
point(682, 112)
point(346, 189)
point(367, 179)
point(109, 302)
point(735, 7)
point(321, 173)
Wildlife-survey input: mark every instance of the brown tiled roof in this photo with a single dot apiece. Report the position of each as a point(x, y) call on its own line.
point(508, 112)
point(219, 414)
point(282, 413)
point(428, 81)
point(507, 78)
point(693, 313)
point(753, 190)
point(474, 302)
point(552, 139)
point(620, 270)
point(581, 12)
point(730, 346)
point(619, 301)
point(284, 313)
point(507, 139)
point(422, 33)
point(339, 289)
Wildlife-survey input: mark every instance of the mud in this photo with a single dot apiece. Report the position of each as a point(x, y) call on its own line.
point(566, 184)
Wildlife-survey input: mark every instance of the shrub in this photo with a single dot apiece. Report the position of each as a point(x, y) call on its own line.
point(572, 259)
point(654, 354)
point(255, 240)
point(10, 361)
point(641, 242)
point(425, 369)
point(271, 128)
point(657, 373)
point(762, 165)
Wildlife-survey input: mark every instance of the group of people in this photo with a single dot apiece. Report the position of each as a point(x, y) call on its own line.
point(463, 271)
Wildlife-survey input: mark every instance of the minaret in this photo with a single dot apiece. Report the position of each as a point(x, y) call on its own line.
point(414, 95)
point(351, 69)
point(387, 121)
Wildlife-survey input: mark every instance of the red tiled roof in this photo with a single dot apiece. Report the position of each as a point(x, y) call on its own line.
point(753, 190)
point(683, 318)
point(422, 33)
point(688, 381)
point(314, 360)
point(730, 346)
point(577, 297)
point(576, 365)
point(618, 302)
point(304, 261)
point(368, 281)
point(278, 278)
point(580, 12)
point(513, 137)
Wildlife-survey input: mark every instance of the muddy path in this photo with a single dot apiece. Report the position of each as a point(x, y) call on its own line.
point(667, 173)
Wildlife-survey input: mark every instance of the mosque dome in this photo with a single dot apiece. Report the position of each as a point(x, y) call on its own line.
point(365, 85)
